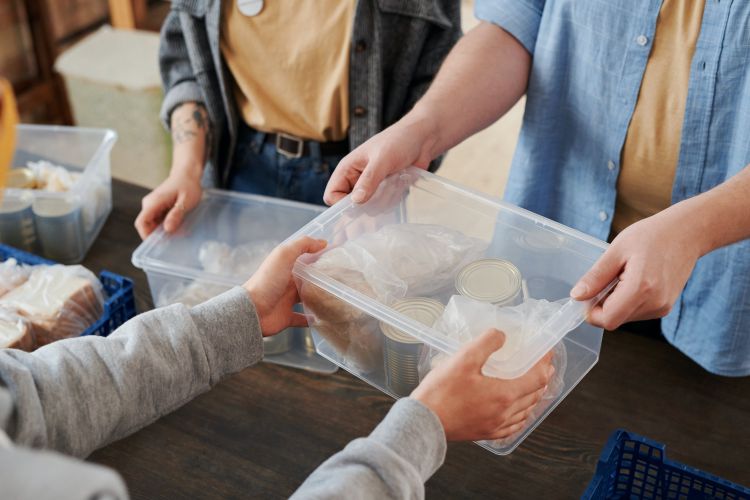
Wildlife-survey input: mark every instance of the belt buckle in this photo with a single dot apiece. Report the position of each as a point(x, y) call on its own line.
point(286, 153)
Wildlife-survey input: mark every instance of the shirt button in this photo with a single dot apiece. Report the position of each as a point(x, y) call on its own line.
point(359, 111)
point(611, 165)
point(360, 46)
point(603, 216)
point(641, 40)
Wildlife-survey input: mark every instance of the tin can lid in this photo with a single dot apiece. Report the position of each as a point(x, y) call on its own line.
point(489, 280)
point(421, 309)
point(21, 178)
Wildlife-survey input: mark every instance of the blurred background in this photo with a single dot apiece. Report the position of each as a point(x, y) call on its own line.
point(93, 63)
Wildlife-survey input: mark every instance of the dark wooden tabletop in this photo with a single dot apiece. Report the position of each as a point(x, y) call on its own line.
point(259, 433)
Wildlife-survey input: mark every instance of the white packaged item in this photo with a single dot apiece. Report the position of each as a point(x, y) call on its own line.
point(12, 275)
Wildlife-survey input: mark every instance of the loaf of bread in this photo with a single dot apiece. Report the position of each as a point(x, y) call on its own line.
point(57, 302)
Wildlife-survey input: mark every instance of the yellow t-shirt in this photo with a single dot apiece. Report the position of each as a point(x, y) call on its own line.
point(652, 145)
point(290, 65)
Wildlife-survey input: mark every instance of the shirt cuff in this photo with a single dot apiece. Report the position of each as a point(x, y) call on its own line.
point(415, 433)
point(231, 333)
point(185, 91)
point(520, 18)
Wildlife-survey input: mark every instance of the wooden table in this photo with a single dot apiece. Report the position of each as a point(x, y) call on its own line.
point(259, 433)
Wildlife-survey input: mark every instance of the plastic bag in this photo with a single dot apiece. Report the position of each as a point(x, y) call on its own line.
point(57, 301)
point(465, 319)
point(401, 259)
point(395, 261)
point(12, 275)
point(51, 177)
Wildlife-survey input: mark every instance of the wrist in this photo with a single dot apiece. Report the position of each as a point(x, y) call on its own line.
point(421, 124)
point(694, 218)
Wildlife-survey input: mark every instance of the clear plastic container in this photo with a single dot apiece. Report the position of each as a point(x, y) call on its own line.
point(219, 245)
point(353, 312)
point(59, 225)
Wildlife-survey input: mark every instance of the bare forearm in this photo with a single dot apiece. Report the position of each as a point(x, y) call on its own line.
point(720, 216)
point(190, 132)
point(482, 78)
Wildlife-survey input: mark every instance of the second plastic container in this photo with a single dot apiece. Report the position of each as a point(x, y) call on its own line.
point(219, 245)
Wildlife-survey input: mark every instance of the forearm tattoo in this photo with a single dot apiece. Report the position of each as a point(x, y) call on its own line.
point(188, 123)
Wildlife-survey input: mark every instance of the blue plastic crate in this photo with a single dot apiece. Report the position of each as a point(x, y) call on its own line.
point(634, 467)
point(119, 305)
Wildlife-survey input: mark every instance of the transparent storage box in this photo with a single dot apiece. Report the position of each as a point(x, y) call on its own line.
point(381, 327)
point(219, 245)
point(58, 225)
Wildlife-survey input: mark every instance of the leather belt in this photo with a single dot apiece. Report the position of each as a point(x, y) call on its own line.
point(295, 147)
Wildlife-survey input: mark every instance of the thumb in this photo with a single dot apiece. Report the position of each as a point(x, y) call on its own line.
point(601, 274)
point(368, 182)
point(478, 350)
point(175, 215)
point(292, 251)
point(344, 177)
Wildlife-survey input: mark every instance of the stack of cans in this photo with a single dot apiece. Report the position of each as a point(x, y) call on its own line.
point(402, 352)
point(495, 281)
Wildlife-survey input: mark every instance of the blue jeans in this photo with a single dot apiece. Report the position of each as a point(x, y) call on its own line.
point(258, 168)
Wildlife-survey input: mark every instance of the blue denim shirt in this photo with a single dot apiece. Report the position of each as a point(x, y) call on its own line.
point(589, 57)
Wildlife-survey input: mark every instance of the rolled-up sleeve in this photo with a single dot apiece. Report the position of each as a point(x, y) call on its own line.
point(520, 18)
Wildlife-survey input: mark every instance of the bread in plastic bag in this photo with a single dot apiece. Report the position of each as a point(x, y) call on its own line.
point(57, 301)
point(15, 331)
point(388, 264)
point(12, 275)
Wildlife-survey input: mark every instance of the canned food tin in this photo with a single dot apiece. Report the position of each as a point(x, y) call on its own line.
point(17, 223)
point(58, 225)
point(490, 280)
point(402, 351)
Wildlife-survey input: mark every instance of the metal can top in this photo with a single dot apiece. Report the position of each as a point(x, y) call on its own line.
point(489, 280)
point(421, 309)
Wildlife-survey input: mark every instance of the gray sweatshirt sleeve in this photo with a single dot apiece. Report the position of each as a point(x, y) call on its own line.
point(393, 462)
point(79, 394)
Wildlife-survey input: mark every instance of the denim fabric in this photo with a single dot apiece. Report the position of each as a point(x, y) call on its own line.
point(259, 169)
point(589, 57)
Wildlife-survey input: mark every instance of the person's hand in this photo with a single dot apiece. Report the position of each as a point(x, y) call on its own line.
point(653, 259)
point(168, 203)
point(474, 407)
point(272, 287)
point(406, 143)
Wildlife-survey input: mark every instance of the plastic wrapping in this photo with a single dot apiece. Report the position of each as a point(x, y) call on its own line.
point(388, 264)
point(12, 275)
point(57, 302)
